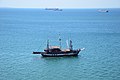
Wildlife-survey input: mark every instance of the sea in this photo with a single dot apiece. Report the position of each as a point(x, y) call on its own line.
point(24, 30)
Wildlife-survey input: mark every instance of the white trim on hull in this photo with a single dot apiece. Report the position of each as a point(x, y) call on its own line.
point(60, 55)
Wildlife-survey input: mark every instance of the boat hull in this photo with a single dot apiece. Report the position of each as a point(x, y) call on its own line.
point(60, 55)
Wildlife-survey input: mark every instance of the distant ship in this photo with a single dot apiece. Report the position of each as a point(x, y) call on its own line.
point(56, 51)
point(53, 9)
point(103, 10)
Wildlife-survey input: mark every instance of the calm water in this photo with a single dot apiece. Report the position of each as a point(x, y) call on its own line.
point(23, 31)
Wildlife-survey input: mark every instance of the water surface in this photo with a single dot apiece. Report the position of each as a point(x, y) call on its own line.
point(23, 31)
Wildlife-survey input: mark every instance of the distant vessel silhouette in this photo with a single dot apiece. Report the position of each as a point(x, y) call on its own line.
point(53, 9)
point(103, 10)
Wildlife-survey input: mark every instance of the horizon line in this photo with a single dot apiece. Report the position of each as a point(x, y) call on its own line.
point(61, 8)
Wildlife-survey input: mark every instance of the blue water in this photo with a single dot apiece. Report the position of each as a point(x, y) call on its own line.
point(23, 31)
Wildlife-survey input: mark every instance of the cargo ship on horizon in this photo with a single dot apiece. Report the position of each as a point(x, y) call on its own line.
point(53, 9)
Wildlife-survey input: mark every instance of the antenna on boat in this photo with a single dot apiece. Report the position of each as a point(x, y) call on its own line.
point(71, 46)
point(59, 41)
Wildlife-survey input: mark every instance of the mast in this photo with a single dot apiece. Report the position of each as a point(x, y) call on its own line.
point(71, 46)
point(59, 41)
point(47, 44)
point(67, 44)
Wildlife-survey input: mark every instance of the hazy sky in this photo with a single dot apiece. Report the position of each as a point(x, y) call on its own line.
point(60, 3)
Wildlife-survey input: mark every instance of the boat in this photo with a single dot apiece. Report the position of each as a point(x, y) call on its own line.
point(53, 9)
point(56, 51)
point(103, 10)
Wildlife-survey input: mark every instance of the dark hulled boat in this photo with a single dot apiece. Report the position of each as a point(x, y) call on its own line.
point(56, 51)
